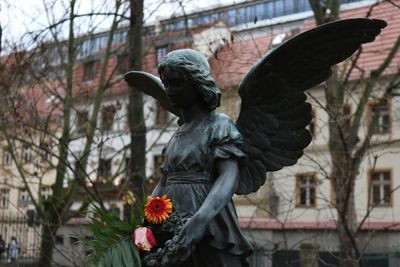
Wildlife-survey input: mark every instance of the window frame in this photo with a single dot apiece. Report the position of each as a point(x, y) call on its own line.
point(45, 151)
point(7, 156)
point(298, 190)
point(89, 71)
point(2, 191)
point(159, 55)
point(370, 188)
point(46, 188)
point(376, 102)
point(82, 121)
point(27, 156)
point(100, 169)
point(23, 202)
point(107, 121)
point(122, 64)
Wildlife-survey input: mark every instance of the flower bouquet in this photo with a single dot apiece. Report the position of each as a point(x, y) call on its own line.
point(147, 241)
point(157, 239)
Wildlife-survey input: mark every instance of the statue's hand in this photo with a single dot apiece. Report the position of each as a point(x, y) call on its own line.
point(174, 253)
point(178, 249)
point(192, 231)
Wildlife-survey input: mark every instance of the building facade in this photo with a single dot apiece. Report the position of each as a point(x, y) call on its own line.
point(295, 208)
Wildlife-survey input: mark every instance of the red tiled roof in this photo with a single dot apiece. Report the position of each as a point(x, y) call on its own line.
point(233, 61)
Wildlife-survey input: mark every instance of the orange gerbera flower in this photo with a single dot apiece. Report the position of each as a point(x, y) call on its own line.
point(157, 209)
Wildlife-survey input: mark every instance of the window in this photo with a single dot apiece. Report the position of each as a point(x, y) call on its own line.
point(27, 154)
point(23, 197)
point(240, 13)
point(4, 197)
point(231, 17)
point(301, 5)
point(269, 9)
point(161, 115)
point(45, 149)
point(249, 14)
point(149, 30)
point(279, 8)
point(82, 121)
point(237, 15)
point(380, 193)
point(58, 73)
point(104, 168)
point(76, 168)
point(289, 7)
point(305, 189)
point(120, 37)
point(260, 257)
point(7, 157)
point(90, 70)
point(379, 113)
point(107, 117)
point(259, 11)
point(161, 52)
point(122, 64)
point(46, 192)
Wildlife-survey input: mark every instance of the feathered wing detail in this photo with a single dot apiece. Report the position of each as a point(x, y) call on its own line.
point(274, 113)
point(152, 86)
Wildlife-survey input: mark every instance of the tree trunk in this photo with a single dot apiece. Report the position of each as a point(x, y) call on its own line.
point(135, 113)
point(340, 149)
point(47, 245)
point(347, 222)
point(342, 175)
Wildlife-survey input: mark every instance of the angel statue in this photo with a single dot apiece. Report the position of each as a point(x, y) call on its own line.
point(209, 158)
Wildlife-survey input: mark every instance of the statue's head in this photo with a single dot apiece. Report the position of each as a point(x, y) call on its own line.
point(196, 69)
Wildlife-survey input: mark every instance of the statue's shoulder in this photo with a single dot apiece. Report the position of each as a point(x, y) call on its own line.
point(221, 117)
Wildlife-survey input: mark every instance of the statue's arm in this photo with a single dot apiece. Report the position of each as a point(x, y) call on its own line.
point(159, 187)
point(221, 193)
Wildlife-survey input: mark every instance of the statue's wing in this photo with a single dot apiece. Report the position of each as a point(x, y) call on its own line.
point(274, 113)
point(152, 86)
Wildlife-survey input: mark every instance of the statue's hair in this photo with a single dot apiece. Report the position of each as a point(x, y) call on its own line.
point(196, 69)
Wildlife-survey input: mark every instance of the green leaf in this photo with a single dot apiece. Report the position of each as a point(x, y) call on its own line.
point(117, 256)
point(111, 244)
point(136, 256)
point(106, 259)
point(127, 256)
point(122, 254)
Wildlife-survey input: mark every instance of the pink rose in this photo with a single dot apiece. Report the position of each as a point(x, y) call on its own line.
point(144, 239)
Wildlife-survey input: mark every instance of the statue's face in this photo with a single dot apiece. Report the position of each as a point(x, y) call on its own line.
point(180, 91)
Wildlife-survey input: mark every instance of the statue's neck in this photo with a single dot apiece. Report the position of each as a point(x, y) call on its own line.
point(194, 113)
